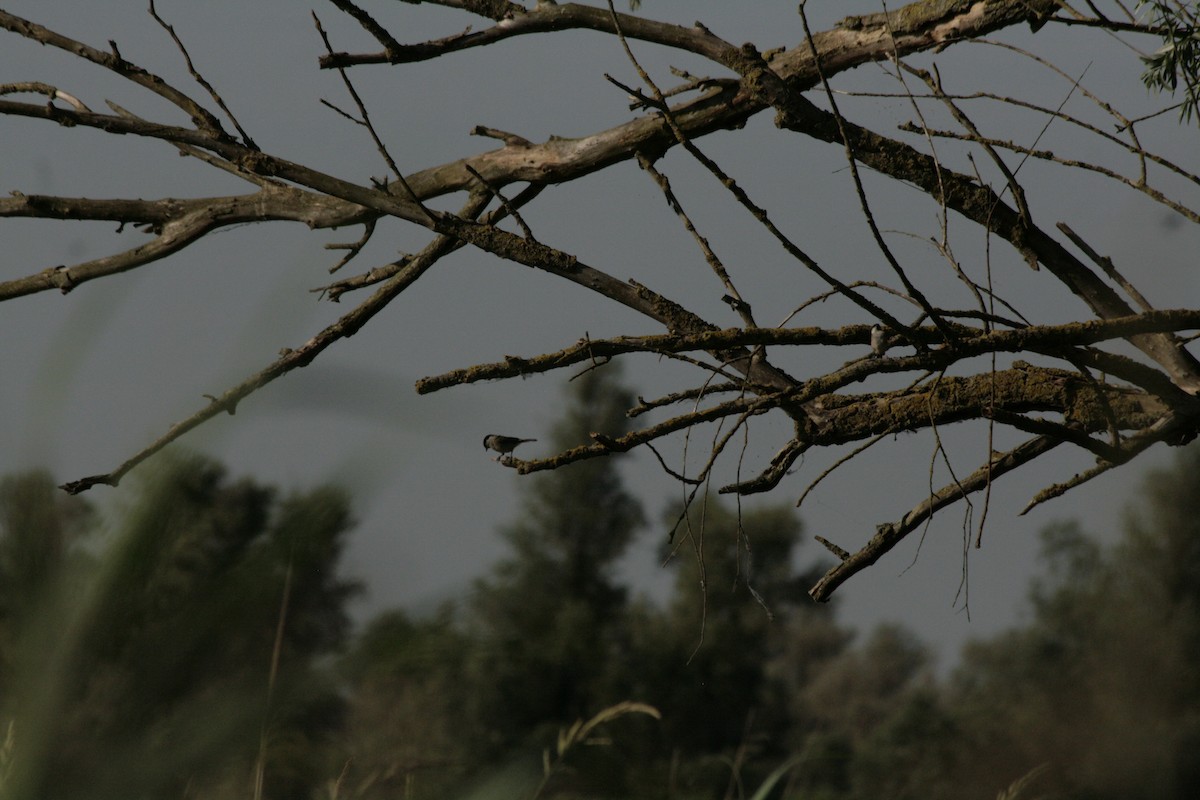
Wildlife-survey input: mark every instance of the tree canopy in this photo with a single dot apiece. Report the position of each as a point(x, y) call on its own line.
point(1102, 370)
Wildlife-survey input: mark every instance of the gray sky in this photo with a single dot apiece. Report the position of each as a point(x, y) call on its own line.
point(88, 378)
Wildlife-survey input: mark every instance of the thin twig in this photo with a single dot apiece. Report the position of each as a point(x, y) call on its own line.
point(645, 405)
point(743, 198)
point(863, 202)
point(843, 460)
point(365, 118)
point(208, 87)
point(1105, 263)
point(888, 535)
point(509, 208)
point(347, 325)
point(740, 306)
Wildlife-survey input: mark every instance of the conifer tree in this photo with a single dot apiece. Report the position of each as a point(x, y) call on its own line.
point(547, 618)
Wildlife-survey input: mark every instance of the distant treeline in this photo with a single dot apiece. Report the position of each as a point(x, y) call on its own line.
point(196, 645)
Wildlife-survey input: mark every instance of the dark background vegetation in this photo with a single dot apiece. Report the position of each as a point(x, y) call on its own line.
point(196, 644)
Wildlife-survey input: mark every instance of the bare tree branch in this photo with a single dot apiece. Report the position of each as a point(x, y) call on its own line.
point(890, 534)
point(1110, 403)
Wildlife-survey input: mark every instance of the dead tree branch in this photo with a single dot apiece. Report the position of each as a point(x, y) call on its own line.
point(1082, 391)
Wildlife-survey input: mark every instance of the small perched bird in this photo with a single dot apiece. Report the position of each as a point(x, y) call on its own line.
point(504, 445)
point(877, 347)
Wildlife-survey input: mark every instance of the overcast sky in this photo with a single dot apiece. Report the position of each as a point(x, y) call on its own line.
point(89, 378)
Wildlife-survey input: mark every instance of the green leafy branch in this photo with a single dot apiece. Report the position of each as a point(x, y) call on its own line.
point(1179, 57)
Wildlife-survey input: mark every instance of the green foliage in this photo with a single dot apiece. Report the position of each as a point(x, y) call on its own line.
point(1161, 549)
point(907, 753)
point(41, 530)
point(408, 726)
point(768, 785)
point(550, 636)
point(854, 693)
point(142, 670)
point(135, 659)
point(546, 619)
point(707, 653)
point(1179, 57)
point(1101, 683)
